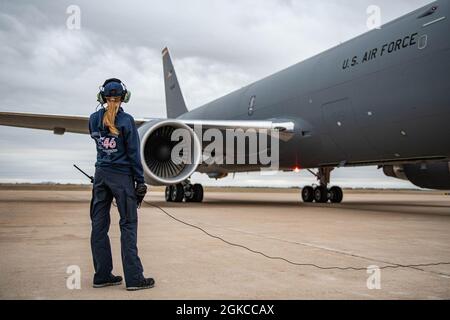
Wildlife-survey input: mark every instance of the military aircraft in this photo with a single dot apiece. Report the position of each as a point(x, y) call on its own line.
point(382, 98)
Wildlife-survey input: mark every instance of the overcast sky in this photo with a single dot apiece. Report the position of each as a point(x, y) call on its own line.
point(217, 47)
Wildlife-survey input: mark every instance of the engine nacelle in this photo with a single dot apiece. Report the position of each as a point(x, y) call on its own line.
point(429, 176)
point(157, 148)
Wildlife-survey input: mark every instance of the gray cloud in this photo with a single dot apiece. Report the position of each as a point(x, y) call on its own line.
point(217, 46)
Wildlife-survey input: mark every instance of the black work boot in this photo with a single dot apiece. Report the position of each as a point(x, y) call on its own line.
point(145, 284)
point(112, 281)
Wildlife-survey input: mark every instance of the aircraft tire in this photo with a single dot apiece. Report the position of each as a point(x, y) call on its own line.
point(198, 192)
point(177, 194)
point(336, 195)
point(168, 194)
point(308, 194)
point(321, 195)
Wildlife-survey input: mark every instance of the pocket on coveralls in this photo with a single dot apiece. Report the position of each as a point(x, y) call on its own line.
point(131, 210)
point(94, 185)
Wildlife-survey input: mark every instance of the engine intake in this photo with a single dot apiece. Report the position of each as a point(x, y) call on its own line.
point(157, 149)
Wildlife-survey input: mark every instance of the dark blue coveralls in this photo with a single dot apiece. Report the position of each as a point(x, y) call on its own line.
point(117, 169)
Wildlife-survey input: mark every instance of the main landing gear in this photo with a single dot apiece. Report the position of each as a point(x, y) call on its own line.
point(321, 193)
point(185, 190)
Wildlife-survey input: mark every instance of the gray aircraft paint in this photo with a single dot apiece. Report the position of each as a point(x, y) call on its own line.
point(175, 104)
point(393, 107)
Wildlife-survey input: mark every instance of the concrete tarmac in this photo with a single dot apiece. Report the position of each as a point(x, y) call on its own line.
point(43, 232)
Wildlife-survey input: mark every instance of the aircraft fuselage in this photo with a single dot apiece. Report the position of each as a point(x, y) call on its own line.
point(379, 98)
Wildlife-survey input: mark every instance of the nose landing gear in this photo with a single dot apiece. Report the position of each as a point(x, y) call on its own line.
point(321, 193)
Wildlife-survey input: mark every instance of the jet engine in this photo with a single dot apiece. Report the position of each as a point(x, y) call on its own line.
point(434, 175)
point(169, 156)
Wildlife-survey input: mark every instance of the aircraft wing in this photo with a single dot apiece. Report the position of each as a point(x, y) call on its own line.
point(57, 123)
point(275, 124)
point(61, 124)
point(284, 129)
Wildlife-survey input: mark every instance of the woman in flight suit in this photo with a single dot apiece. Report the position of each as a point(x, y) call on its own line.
point(119, 175)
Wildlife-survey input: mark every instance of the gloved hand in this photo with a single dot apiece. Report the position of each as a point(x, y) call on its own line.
point(141, 190)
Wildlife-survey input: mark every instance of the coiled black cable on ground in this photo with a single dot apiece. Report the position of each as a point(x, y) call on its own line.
point(390, 266)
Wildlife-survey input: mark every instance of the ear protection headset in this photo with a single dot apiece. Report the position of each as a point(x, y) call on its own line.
point(125, 97)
